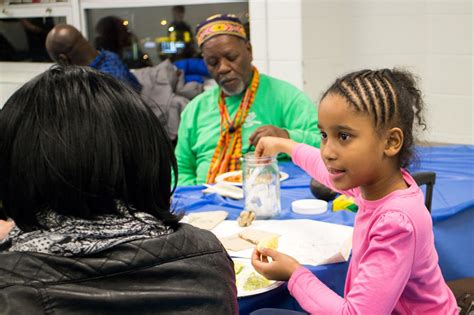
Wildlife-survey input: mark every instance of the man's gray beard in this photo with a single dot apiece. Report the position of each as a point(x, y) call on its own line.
point(240, 88)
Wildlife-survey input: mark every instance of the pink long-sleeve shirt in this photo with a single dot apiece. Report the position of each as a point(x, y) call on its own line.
point(394, 265)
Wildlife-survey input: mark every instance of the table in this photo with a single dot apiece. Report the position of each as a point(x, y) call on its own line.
point(452, 213)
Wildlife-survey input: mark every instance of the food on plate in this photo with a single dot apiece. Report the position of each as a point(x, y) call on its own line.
point(234, 178)
point(268, 242)
point(254, 236)
point(247, 239)
point(246, 218)
point(248, 281)
point(238, 267)
point(237, 178)
point(255, 282)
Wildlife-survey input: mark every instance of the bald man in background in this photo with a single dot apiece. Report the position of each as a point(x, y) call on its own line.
point(66, 45)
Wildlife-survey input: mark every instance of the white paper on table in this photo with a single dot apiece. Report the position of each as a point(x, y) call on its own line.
point(310, 242)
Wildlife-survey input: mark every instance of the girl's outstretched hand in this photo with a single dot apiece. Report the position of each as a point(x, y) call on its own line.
point(270, 146)
point(280, 268)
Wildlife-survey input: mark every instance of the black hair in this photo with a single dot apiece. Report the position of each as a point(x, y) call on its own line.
point(179, 8)
point(390, 97)
point(76, 141)
point(110, 31)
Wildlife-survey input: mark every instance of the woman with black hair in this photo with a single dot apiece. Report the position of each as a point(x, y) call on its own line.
point(85, 173)
point(113, 35)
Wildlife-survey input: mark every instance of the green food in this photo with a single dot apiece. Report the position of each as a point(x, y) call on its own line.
point(238, 267)
point(255, 281)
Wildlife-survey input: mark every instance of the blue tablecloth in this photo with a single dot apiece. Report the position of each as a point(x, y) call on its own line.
point(452, 212)
point(453, 206)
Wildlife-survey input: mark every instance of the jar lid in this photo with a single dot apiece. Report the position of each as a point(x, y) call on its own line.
point(309, 206)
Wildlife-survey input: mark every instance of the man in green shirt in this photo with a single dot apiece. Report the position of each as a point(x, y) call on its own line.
point(222, 123)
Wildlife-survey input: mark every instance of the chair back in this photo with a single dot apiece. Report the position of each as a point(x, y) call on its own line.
point(428, 179)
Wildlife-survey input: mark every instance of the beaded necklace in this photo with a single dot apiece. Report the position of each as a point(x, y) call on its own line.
point(228, 151)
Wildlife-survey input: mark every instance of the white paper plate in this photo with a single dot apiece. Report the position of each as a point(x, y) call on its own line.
point(243, 276)
point(222, 178)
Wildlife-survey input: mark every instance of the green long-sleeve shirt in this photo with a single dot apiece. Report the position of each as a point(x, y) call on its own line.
point(276, 103)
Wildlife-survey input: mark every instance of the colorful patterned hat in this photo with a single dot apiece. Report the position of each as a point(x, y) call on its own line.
point(219, 24)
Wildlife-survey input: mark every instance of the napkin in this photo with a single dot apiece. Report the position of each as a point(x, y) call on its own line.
point(235, 243)
point(207, 220)
point(225, 190)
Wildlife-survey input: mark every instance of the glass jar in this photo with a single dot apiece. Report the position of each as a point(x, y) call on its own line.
point(261, 183)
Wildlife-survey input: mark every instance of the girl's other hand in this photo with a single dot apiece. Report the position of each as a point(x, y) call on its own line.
point(270, 146)
point(281, 268)
point(5, 228)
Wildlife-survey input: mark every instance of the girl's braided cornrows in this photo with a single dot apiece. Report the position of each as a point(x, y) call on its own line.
point(390, 97)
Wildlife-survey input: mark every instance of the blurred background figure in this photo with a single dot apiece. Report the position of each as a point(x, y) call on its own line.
point(180, 42)
point(181, 48)
point(179, 30)
point(66, 45)
point(178, 23)
point(23, 39)
point(36, 31)
point(113, 35)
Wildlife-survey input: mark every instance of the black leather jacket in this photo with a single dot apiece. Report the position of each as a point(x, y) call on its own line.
point(186, 272)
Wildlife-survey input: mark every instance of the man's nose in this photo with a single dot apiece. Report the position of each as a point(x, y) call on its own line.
point(224, 67)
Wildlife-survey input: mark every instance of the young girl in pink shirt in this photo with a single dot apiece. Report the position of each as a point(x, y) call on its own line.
point(366, 121)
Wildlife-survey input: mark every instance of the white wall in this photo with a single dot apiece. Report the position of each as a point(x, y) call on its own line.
point(275, 29)
point(12, 77)
point(434, 39)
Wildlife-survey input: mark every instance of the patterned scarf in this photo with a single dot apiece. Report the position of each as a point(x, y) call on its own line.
point(71, 236)
point(228, 151)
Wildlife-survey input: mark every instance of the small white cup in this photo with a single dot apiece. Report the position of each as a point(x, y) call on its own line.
point(309, 206)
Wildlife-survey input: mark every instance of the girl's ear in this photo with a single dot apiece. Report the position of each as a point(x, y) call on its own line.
point(394, 142)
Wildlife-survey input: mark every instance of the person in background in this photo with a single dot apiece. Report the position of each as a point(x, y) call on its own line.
point(85, 173)
point(366, 119)
point(113, 35)
point(224, 122)
point(36, 31)
point(186, 58)
point(180, 42)
point(65, 44)
point(178, 25)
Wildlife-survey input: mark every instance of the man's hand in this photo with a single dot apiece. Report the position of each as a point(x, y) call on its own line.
point(267, 131)
point(280, 268)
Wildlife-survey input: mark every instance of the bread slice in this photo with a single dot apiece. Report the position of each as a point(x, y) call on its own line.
point(254, 236)
point(268, 242)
